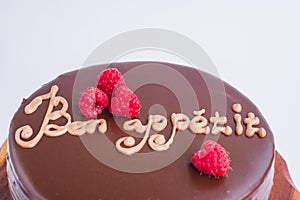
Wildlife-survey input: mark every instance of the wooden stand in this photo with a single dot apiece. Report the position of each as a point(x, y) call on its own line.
point(4, 191)
point(283, 188)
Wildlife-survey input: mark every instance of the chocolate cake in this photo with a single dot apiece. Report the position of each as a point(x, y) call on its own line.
point(49, 158)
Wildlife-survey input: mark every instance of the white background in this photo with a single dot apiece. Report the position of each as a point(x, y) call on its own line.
point(255, 46)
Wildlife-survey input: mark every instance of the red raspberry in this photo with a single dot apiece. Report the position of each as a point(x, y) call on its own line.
point(92, 102)
point(109, 79)
point(212, 159)
point(124, 103)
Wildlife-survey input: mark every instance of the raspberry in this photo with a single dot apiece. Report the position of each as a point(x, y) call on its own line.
point(92, 102)
point(212, 159)
point(109, 79)
point(124, 103)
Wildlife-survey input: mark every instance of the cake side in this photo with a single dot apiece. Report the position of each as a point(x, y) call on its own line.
point(62, 167)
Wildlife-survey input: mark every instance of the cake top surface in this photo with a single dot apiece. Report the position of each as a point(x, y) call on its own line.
point(91, 166)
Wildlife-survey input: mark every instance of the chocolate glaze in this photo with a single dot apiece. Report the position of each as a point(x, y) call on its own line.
point(62, 167)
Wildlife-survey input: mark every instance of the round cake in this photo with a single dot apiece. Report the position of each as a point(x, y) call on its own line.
point(57, 151)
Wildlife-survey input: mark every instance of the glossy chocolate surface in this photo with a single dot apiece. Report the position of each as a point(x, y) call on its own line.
point(62, 167)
